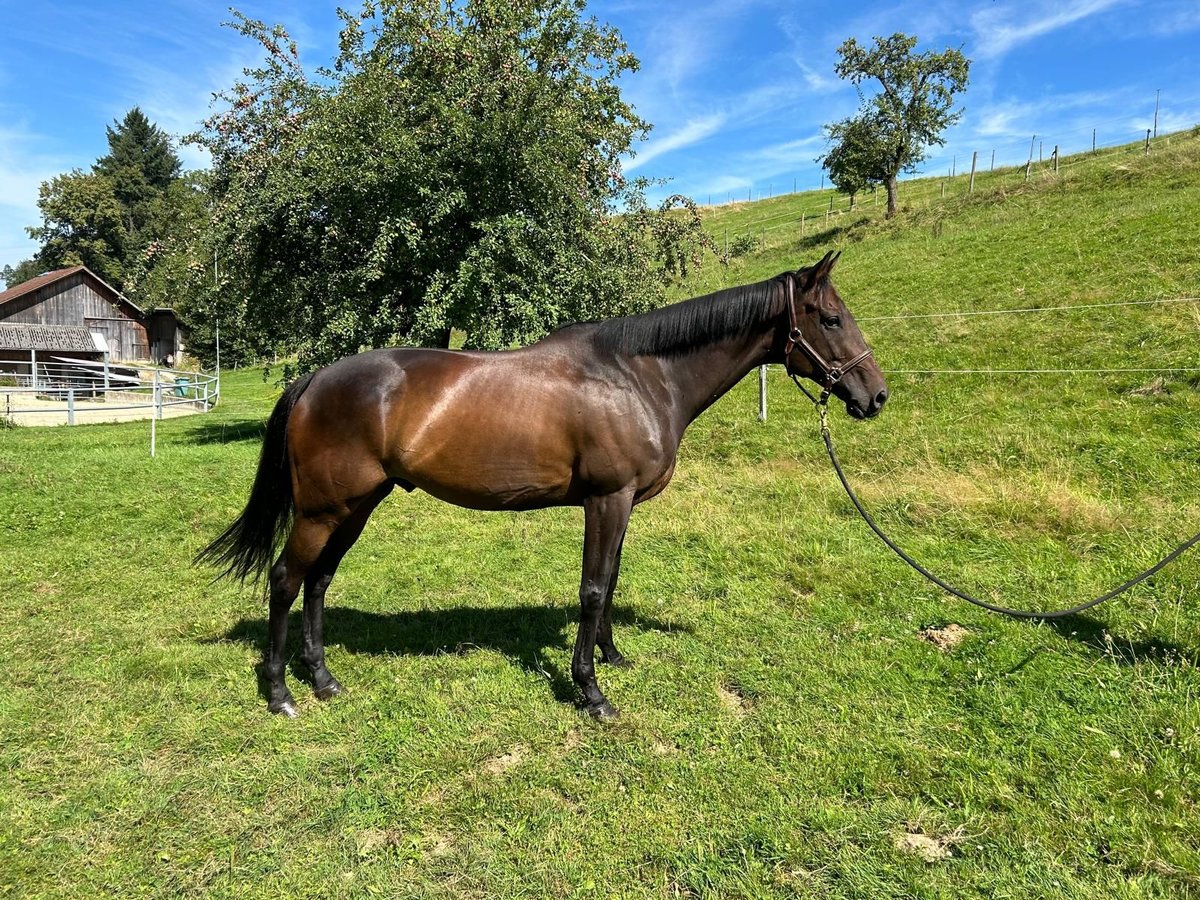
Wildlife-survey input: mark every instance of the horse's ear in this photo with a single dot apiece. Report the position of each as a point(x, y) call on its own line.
point(825, 266)
point(810, 275)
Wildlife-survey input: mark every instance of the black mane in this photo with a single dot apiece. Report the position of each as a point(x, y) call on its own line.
point(680, 328)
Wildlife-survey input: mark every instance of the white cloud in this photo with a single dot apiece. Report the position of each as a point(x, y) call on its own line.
point(997, 30)
point(22, 170)
point(691, 133)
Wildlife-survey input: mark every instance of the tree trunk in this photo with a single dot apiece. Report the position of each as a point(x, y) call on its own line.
point(442, 340)
point(891, 189)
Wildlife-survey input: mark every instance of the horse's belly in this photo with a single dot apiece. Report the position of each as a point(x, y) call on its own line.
point(505, 472)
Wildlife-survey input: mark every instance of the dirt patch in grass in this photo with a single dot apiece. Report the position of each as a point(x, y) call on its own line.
point(498, 765)
point(930, 848)
point(1156, 387)
point(945, 637)
point(734, 699)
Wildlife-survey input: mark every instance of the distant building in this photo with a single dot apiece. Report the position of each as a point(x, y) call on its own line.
point(74, 313)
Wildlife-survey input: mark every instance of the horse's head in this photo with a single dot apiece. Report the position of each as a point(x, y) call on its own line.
point(824, 342)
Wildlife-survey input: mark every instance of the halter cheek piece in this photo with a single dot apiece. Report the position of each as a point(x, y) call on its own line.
point(831, 373)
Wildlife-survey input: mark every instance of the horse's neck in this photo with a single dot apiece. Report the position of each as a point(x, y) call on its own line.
point(704, 375)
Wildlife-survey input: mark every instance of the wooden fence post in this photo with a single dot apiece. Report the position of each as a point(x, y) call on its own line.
point(1056, 159)
point(971, 186)
point(762, 393)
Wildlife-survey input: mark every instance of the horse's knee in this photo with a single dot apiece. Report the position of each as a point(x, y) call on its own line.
point(591, 600)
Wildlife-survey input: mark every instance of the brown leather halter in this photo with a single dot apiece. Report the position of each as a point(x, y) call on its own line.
point(831, 373)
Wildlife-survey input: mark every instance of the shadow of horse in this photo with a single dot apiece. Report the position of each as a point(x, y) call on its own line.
point(224, 432)
point(1122, 651)
point(520, 633)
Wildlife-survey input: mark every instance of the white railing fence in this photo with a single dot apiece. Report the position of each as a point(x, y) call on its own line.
point(73, 392)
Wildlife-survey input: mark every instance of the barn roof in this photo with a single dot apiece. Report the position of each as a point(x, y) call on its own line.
point(49, 278)
point(73, 338)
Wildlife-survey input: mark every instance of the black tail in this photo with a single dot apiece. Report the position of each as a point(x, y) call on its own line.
point(247, 547)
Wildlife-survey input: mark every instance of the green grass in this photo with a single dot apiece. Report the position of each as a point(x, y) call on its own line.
point(785, 725)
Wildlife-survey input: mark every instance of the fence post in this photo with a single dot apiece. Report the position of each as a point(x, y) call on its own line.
point(1027, 165)
point(158, 402)
point(801, 224)
point(70, 406)
point(762, 393)
point(1093, 142)
point(1147, 140)
point(971, 186)
point(1056, 159)
point(33, 370)
point(992, 167)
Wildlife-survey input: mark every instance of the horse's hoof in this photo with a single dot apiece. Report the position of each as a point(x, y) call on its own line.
point(603, 711)
point(328, 692)
point(619, 662)
point(284, 708)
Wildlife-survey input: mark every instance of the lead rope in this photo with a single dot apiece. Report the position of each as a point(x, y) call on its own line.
point(823, 408)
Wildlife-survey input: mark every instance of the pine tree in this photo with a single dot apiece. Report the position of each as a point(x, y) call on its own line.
point(141, 164)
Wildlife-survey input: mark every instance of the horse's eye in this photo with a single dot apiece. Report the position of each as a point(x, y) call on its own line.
point(831, 321)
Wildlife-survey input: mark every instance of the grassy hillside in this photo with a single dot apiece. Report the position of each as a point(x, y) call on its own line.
point(787, 731)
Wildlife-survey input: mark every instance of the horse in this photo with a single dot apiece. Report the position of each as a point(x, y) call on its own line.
point(591, 415)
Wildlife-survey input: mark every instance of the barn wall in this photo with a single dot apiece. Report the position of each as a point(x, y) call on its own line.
point(126, 338)
point(74, 301)
point(65, 302)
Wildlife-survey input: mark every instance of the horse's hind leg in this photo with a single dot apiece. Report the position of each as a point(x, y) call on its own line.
point(317, 582)
point(303, 547)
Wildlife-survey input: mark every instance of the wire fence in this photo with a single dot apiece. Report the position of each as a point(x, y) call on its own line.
point(1007, 164)
point(76, 392)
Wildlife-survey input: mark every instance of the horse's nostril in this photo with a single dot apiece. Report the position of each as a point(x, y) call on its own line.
point(881, 397)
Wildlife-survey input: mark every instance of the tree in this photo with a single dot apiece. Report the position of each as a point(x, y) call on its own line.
point(141, 164)
point(106, 219)
point(856, 160)
point(457, 167)
point(20, 273)
point(83, 223)
point(912, 109)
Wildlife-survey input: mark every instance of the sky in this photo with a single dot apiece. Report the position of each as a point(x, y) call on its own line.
point(737, 91)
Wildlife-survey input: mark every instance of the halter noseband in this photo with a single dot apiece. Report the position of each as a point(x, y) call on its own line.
point(831, 373)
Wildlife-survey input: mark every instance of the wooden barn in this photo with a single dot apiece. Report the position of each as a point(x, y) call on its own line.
point(52, 311)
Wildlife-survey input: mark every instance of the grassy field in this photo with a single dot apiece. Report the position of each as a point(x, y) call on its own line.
point(788, 730)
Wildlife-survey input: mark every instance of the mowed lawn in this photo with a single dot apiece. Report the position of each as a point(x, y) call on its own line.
point(788, 731)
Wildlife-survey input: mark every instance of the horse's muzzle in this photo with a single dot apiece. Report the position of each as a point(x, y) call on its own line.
point(872, 409)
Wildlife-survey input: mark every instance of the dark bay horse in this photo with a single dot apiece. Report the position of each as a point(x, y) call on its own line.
point(590, 416)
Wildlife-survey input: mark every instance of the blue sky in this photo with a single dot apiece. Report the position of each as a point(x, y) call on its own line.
point(737, 90)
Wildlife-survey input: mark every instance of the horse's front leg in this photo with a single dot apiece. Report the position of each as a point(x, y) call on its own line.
point(605, 521)
point(609, 653)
